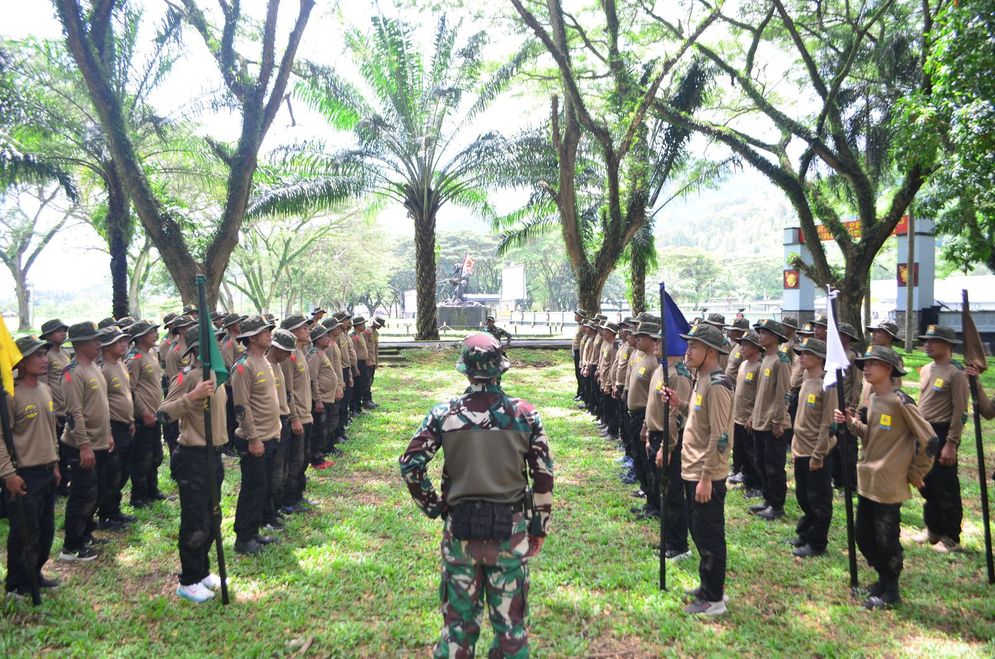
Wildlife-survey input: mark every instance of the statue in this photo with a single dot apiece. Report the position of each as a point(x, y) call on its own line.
point(459, 282)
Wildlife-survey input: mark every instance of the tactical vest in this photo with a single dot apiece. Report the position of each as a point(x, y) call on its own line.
point(486, 465)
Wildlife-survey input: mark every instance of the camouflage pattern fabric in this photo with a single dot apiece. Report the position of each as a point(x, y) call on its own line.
point(474, 570)
point(481, 357)
point(477, 569)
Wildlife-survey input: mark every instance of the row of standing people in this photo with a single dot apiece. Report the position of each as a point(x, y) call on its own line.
point(774, 374)
point(86, 423)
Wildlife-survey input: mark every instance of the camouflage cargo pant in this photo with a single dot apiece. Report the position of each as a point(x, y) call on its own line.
point(497, 570)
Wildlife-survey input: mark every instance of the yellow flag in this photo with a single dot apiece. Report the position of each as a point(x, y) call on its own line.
point(9, 357)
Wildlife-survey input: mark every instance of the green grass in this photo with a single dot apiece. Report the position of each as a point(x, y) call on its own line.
point(359, 576)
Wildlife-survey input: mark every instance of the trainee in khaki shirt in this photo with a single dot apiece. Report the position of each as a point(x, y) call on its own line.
point(812, 437)
point(359, 345)
point(679, 381)
point(897, 446)
point(190, 413)
point(146, 382)
point(638, 387)
point(372, 346)
point(943, 394)
point(254, 394)
point(335, 358)
point(324, 381)
point(175, 360)
point(58, 359)
point(88, 417)
point(735, 359)
point(119, 400)
point(708, 430)
point(297, 380)
point(622, 365)
point(771, 406)
point(578, 335)
point(605, 361)
point(746, 391)
point(32, 419)
point(282, 394)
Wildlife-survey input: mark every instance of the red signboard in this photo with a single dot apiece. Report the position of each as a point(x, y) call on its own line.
point(902, 275)
point(854, 228)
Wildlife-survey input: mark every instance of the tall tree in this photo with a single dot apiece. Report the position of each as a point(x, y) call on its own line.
point(256, 86)
point(25, 230)
point(598, 232)
point(411, 132)
point(17, 163)
point(857, 61)
point(957, 123)
point(63, 127)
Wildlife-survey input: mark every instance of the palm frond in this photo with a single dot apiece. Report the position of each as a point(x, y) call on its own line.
point(305, 196)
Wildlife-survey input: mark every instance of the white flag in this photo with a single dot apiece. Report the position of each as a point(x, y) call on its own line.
point(835, 354)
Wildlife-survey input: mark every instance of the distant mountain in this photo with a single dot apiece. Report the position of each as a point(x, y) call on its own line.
point(744, 216)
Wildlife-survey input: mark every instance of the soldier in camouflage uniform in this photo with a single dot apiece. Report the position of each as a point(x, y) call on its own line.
point(492, 527)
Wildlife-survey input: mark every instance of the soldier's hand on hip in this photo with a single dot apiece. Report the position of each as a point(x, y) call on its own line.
point(319, 406)
point(110, 444)
point(56, 476)
point(535, 544)
point(777, 430)
point(815, 464)
point(256, 448)
point(148, 418)
point(659, 457)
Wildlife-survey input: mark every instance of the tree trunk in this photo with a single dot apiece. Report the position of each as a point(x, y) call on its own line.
point(589, 287)
point(23, 301)
point(118, 238)
point(638, 283)
point(850, 302)
point(426, 323)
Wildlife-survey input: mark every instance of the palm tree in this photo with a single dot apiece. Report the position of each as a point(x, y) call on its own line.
point(409, 122)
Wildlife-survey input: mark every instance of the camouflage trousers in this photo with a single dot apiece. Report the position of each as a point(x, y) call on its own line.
point(473, 570)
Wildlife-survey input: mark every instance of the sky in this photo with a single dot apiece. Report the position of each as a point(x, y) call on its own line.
point(80, 251)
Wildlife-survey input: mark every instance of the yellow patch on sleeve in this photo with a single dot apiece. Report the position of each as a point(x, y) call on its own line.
point(767, 372)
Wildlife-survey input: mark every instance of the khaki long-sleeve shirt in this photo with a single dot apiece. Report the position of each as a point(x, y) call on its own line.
point(708, 435)
point(190, 414)
point(58, 359)
point(335, 358)
point(943, 396)
point(88, 416)
point(297, 379)
point(897, 446)
point(638, 386)
point(747, 378)
point(32, 420)
point(146, 382)
point(812, 437)
point(257, 408)
point(771, 406)
point(359, 345)
point(324, 379)
point(119, 400)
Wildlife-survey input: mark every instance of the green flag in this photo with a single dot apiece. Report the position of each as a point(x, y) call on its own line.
point(210, 354)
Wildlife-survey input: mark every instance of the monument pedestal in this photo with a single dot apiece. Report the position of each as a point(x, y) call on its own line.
point(461, 316)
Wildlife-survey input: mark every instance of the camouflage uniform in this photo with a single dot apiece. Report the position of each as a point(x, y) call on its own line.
point(498, 568)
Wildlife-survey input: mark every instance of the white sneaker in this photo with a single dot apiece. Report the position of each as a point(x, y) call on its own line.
point(194, 592)
point(211, 582)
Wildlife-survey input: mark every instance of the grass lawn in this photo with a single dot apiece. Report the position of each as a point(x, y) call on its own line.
point(358, 576)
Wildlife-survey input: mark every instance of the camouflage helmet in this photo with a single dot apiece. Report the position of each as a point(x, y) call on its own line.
point(481, 357)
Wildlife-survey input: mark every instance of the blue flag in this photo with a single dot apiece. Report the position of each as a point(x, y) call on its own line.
point(674, 324)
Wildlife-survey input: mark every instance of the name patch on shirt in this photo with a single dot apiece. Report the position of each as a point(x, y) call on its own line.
point(810, 400)
point(938, 384)
point(749, 376)
point(885, 422)
point(697, 402)
point(767, 372)
point(642, 370)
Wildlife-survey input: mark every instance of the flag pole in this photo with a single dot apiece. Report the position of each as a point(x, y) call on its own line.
point(982, 471)
point(843, 438)
point(17, 503)
point(663, 478)
point(212, 476)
